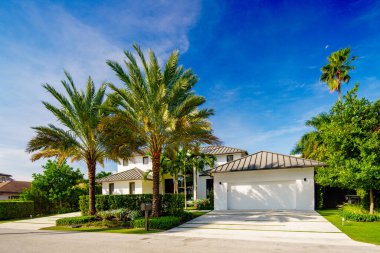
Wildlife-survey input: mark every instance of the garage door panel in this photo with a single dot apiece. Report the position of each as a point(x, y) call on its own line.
point(269, 195)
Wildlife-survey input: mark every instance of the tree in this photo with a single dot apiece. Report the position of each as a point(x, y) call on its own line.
point(335, 72)
point(103, 174)
point(352, 141)
point(160, 106)
point(80, 139)
point(57, 187)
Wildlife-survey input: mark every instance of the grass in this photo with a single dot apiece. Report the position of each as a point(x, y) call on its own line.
point(104, 230)
point(368, 232)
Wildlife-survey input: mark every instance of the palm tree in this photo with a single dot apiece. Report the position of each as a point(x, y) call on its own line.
point(79, 114)
point(335, 72)
point(162, 106)
point(199, 162)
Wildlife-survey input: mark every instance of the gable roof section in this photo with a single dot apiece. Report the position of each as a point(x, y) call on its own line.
point(265, 160)
point(128, 175)
point(221, 150)
point(13, 186)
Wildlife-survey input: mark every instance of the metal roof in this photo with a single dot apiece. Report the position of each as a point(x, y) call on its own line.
point(220, 150)
point(264, 160)
point(132, 174)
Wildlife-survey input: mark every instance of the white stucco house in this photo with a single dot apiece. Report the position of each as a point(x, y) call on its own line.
point(131, 175)
point(265, 181)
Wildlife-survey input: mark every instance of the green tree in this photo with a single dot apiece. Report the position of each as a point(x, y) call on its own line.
point(352, 141)
point(336, 71)
point(80, 115)
point(56, 188)
point(160, 106)
point(103, 174)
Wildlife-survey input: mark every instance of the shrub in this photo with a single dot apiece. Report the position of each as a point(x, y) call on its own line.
point(15, 209)
point(74, 220)
point(135, 215)
point(120, 214)
point(162, 223)
point(203, 204)
point(358, 213)
point(171, 204)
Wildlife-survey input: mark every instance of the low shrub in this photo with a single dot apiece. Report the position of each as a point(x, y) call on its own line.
point(186, 216)
point(135, 215)
point(162, 223)
point(171, 204)
point(120, 214)
point(12, 209)
point(358, 213)
point(74, 220)
point(203, 204)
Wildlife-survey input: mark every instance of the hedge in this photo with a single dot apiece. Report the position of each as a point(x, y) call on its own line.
point(162, 223)
point(171, 204)
point(357, 213)
point(15, 209)
point(74, 220)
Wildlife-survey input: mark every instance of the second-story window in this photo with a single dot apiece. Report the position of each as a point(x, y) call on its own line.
point(145, 160)
point(125, 162)
point(230, 158)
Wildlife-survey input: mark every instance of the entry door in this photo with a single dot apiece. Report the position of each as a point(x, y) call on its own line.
point(264, 196)
point(169, 186)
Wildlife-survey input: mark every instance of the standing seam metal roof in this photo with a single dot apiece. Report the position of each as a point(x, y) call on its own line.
point(220, 150)
point(265, 160)
point(132, 174)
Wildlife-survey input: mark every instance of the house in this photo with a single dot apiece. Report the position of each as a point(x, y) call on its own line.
point(5, 177)
point(266, 181)
point(132, 178)
point(12, 189)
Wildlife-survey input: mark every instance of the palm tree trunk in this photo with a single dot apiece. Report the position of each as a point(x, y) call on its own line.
point(156, 184)
point(91, 187)
point(371, 202)
point(339, 93)
point(175, 178)
point(184, 184)
point(195, 183)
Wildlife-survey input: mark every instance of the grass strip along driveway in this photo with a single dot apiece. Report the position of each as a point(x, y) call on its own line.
point(360, 231)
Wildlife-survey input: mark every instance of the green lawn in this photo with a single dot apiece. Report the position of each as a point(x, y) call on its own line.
point(360, 231)
point(106, 230)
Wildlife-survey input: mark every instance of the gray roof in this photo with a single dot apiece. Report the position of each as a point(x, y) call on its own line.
point(220, 150)
point(264, 160)
point(132, 174)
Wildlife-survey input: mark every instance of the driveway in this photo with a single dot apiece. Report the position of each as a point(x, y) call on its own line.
point(279, 226)
point(37, 223)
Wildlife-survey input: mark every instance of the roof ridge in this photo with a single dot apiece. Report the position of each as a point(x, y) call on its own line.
point(291, 156)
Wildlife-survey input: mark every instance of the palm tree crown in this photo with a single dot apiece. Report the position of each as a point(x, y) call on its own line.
point(335, 72)
point(160, 106)
point(80, 114)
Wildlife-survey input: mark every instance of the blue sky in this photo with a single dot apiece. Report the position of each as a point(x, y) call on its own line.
point(258, 61)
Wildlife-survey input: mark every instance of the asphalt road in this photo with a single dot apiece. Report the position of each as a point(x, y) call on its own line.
point(29, 241)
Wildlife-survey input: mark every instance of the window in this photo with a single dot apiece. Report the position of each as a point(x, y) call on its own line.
point(132, 188)
point(125, 162)
point(230, 158)
point(209, 187)
point(111, 188)
point(145, 160)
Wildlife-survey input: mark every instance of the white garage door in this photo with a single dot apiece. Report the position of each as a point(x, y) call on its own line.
point(268, 195)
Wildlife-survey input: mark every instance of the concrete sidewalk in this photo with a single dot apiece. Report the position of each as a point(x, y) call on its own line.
point(37, 223)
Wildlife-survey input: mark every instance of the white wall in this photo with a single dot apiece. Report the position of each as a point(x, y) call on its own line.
point(135, 162)
point(304, 189)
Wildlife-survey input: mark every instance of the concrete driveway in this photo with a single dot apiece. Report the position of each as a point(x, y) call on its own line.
point(37, 223)
point(279, 226)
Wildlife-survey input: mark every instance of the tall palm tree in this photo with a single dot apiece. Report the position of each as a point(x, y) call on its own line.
point(162, 106)
point(199, 162)
point(79, 114)
point(335, 72)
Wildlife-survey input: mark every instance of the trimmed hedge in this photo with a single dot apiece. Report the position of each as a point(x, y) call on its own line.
point(357, 213)
point(74, 220)
point(15, 209)
point(162, 223)
point(171, 204)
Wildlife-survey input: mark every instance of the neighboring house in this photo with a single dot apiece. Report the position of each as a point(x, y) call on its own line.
point(132, 179)
point(5, 177)
point(12, 189)
point(265, 180)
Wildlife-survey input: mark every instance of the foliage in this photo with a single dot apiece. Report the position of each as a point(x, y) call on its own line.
point(55, 189)
point(135, 214)
point(336, 71)
point(120, 214)
point(358, 213)
point(162, 223)
point(79, 113)
point(11, 209)
point(171, 204)
point(74, 220)
point(103, 174)
point(204, 204)
point(159, 107)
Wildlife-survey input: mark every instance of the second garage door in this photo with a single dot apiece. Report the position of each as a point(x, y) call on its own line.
point(265, 196)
